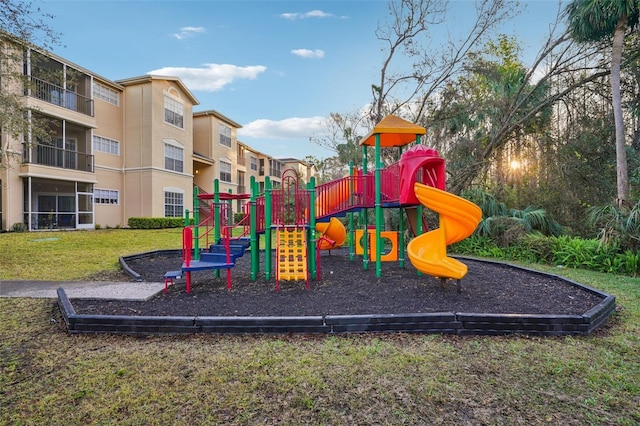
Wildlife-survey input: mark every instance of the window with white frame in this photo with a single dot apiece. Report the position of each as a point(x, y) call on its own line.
point(109, 146)
point(173, 204)
point(106, 94)
point(173, 112)
point(254, 163)
point(225, 135)
point(225, 171)
point(173, 158)
point(106, 196)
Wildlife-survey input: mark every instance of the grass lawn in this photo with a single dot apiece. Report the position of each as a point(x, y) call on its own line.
point(50, 377)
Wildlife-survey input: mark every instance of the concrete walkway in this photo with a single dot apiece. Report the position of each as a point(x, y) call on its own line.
point(81, 289)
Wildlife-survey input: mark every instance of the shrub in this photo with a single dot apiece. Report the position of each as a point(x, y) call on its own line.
point(19, 227)
point(155, 222)
point(238, 216)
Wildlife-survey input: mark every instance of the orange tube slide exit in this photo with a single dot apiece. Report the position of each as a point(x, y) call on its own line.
point(333, 234)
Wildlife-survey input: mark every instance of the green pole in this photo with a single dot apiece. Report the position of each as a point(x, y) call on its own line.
point(352, 245)
point(216, 210)
point(419, 224)
point(230, 211)
point(364, 213)
point(216, 216)
point(419, 210)
point(267, 227)
point(401, 228)
point(379, 216)
point(401, 237)
point(311, 245)
point(255, 256)
point(196, 225)
point(186, 217)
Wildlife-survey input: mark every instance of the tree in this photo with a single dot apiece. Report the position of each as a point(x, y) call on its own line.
point(595, 21)
point(409, 34)
point(22, 25)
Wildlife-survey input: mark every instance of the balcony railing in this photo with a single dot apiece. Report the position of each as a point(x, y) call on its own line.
point(57, 95)
point(241, 160)
point(57, 157)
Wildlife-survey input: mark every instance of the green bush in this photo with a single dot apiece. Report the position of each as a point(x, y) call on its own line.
point(19, 227)
point(155, 222)
point(238, 216)
point(569, 252)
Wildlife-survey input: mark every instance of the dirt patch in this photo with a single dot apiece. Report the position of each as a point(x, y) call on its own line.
point(348, 289)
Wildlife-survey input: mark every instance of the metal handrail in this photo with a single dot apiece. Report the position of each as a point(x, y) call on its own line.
point(60, 96)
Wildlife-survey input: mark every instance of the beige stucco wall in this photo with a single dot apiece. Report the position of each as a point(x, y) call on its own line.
point(109, 168)
point(146, 132)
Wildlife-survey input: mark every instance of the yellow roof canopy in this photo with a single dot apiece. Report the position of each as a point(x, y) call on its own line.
point(393, 131)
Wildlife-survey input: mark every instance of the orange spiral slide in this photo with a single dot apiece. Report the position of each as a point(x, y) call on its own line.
point(458, 219)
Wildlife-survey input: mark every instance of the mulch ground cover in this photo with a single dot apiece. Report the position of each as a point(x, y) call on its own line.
point(346, 288)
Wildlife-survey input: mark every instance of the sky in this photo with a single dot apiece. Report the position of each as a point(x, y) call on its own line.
point(277, 68)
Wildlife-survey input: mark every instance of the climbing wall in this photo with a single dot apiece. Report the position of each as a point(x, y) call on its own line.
point(291, 255)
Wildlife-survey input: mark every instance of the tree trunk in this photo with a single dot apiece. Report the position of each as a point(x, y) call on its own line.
point(621, 153)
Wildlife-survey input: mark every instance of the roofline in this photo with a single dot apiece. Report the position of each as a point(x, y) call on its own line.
point(220, 116)
point(59, 58)
point(150, 77)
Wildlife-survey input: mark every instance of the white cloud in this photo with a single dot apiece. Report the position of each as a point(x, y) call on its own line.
point(306, 15)
point(290, 128)
point(211, 77)
point(306, 53)
point(186, 32)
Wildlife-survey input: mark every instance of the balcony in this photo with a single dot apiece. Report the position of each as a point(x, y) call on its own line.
point(47, 155)
point(57, 95)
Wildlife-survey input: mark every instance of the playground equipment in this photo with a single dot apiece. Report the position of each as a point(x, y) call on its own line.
point(304, 219)
point(458, 219)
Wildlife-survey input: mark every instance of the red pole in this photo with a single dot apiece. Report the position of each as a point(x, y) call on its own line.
point(187, 246)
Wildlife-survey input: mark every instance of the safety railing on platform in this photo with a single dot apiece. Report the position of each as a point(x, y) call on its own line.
point(347, 193)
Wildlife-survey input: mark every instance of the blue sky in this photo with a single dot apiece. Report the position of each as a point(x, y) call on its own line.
point(278, 68)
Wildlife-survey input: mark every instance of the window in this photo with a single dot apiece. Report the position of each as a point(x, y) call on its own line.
point(109, 146)
point(105, 196)
point(173, 112)
point(254, 163)
point(173, 158)
point(225, 135)
point(173, 204)
point(225, 171)
point(275, 168)
point(106, 94)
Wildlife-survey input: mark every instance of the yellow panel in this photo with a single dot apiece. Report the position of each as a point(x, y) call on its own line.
point(392, 236)
point(292, 255)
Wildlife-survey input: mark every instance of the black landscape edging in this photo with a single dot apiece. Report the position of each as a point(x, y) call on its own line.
point(123, 260)
point(432, 323)
point(459, 323)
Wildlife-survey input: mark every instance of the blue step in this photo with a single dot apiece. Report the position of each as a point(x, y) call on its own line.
point(199, 265)
point(242, 241)
point(218, 257)
point(233, 248)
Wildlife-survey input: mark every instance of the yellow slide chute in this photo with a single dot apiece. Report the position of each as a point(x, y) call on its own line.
point(333, 234)
point(458, 219)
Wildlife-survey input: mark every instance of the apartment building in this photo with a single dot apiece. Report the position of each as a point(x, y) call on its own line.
point(116, 149)
point(305, 170)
